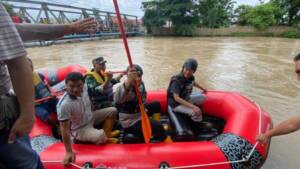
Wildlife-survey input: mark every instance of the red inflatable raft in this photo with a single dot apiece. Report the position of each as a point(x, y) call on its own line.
point(55, 76)
point(234, 148)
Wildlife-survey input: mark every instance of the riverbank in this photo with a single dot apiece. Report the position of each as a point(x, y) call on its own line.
point(236, 31)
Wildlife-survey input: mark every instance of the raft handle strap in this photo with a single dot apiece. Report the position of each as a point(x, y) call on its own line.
point(72, 164)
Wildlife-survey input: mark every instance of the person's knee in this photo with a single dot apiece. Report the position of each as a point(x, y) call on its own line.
point(92, 135)
point(107, 113)
point(101, 137)
point(198, 98)
point(187, 113)
point(112, 112)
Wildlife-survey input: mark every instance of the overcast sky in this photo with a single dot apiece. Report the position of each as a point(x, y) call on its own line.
point(132, 7)
point(126, 6)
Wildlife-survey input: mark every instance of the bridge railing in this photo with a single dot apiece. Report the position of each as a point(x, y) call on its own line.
point(50, 13)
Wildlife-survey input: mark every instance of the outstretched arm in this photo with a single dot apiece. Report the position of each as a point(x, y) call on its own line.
point(286, 127)
point(29, 32)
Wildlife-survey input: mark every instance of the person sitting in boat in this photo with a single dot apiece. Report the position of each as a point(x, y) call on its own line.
point(46, 102)
point(78, 121)
point(126, 101)
point(100, 84)
point(181, 97)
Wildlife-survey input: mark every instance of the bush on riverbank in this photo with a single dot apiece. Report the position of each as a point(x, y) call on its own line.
point(238, 31)
point(291, 34)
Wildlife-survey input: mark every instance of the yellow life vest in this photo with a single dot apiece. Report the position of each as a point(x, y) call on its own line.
point(36, 78)
point(41, 89)
point(100, 99)
point(97, 77)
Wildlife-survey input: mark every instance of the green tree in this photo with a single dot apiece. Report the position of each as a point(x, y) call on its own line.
point(153, 16)
point(215, 13)
point(242, 13)
point(290, 11)
point(260, 16)
point(264, 15)
point(182, 14)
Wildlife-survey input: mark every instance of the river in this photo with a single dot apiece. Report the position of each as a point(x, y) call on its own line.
point(259, 68)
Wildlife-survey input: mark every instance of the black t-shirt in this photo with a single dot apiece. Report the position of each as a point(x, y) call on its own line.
point(181, 86)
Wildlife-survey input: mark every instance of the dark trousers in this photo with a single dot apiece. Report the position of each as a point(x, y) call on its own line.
point(158, 132)
point(18, 155)
point(152, 107)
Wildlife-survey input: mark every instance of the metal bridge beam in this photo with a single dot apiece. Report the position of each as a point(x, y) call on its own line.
point(59, 15)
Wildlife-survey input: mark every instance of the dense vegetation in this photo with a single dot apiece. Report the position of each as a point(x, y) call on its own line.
point(186, 15)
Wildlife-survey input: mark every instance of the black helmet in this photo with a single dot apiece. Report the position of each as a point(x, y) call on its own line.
point(138, 69)
point(99, 60)
point(191, 64)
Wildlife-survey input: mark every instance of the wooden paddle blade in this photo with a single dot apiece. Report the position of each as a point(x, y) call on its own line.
point(146, 125)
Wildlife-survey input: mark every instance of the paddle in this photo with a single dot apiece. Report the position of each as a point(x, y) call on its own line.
point(114, 72)
point(59, 93)
point(118, 71)
point(146, 126)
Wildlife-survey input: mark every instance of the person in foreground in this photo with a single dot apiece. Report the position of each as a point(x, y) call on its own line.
point(77, 121)
point(17, 99)
point(288, 126)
